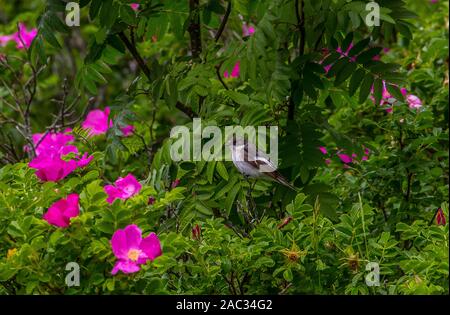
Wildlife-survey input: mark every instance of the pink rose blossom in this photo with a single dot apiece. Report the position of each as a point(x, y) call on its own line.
point(132, 250)
point(234, 72)
point(49, 162)
point(123, 188)
point(134, 6)
point(413, 101)
point(60, 212)
point(22, 37)
point(98, 122)
point(323, 150)
point(127, 130)
point(345, 158)
point(247, 30)
point(4, 39)
point(53, 142)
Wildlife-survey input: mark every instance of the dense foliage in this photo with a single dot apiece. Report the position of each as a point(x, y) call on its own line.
point(362, 113)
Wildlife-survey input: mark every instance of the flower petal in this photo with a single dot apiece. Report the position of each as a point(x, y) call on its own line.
point(151, 246)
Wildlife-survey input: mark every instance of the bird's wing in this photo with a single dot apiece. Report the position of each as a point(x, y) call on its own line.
point(263, 160)
point(257, 158)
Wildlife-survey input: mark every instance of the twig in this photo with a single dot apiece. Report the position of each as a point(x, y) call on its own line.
point(220, 77)
point(143, 66)
point(132, 49)
point(224, 22)
point(301, 25)
point(194, 29)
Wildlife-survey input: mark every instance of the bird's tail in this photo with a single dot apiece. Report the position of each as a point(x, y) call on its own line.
point(283, 181)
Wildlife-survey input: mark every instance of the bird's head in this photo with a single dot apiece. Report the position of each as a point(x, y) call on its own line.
point(234, 141)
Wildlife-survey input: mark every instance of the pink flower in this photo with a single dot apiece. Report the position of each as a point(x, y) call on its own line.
point(247, 30)
point(354, 156)
point(234, 72)
point(23, 36)
point(127, 130)
point(52, 142)
point(175, 183)
point(365, 158)
point(132, 250)
point(4, 39)
point(49, 162)
point(327, 161)
point(323, 150)
point(61, 211)
point(98, 122)
point(123, 188)
point(345, 158)
point(413, 101)
point(134, 6)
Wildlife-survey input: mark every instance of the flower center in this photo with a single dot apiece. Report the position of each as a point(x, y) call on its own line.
point(129, 189)
point(133, 254)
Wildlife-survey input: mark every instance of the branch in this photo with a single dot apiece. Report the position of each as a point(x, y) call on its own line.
point(220, 77)
point(224, 22)
point(189, 112)
point(132, 49)
point(194, 29)
point(301, 24)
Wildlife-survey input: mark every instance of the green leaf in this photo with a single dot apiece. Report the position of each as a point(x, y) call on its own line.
point(94, 8)
point(231, 197)
point(359, 46)
point(287, 275)
point(347, 41)
point(395, 92)
point(378, 90)
point(108, 13)
point(368, 55)
point(210, 171)
point(222, 170)
point(355, 81)
point(49, 37)
point(366, 85)
point(345, 73)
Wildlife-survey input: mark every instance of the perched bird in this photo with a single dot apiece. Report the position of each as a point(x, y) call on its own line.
point(249, 161)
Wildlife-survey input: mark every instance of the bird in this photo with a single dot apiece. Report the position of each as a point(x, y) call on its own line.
point(249, 160)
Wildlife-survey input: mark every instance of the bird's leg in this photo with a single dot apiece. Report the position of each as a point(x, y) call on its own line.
point(252, 206)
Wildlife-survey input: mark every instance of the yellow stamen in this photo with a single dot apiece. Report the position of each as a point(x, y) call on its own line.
point(133, 254)
point(11, 252)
